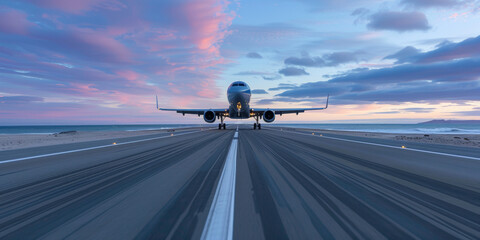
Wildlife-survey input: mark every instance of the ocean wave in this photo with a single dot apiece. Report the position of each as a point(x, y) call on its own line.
point(411, 130)
point(443, 130)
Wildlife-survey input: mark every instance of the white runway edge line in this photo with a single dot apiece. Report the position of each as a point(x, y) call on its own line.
point(389, 146)
point(219, 223)
point(91, 148)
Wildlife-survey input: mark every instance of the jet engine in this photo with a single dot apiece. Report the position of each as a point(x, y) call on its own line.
point(269, 116)
point(209, 116)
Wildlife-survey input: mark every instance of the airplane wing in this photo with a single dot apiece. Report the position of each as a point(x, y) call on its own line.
point(280, 111)
point(194, 111)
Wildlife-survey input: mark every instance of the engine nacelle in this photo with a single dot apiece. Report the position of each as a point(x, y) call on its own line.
point(269, 116)
point(209, 116)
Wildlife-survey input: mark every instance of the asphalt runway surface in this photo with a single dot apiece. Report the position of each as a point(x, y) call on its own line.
point(289, 185)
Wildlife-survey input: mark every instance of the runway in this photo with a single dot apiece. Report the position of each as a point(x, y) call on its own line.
point(288, 185)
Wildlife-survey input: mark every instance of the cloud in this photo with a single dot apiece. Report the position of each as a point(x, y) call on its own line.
point(407, 54)
point(305, 61)
point(207, 22)
point(327, 5)
point(317, 89)
point(460, 70)
point(468, 113)
point(14, 21)
point(78, 7)
point(362, 14)
point(327, 60)
point(339, 74)
point(448, 51)
point(431, 3)
point(389, 112)
point(415, 93)
point(468, 48)
point(283, 86)
point(270, 101)
point(398, 21)
point(103, 55)
point(19, 99)
point(86, 44)
point(293, 71)
point(251, 73)
point(265, 75)
point(272, 77)
point(424, 77)
point(337, 58)
point(254, 55)
point(259, 91)
point(418, 110)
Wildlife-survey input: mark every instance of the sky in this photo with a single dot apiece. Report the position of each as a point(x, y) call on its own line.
point(103, 61)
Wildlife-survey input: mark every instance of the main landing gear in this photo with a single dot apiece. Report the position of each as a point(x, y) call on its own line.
point(255, 125)
point(222, 125)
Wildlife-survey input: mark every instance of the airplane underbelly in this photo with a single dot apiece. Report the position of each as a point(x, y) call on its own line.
point(239, 108)
point(234, 114)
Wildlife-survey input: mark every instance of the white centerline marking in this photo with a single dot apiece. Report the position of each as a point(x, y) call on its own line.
point(90, 148)
point(389, 146)
point(219, 223)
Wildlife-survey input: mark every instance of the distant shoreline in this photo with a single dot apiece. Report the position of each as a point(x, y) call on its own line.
point(19, 141)
point(427, 128)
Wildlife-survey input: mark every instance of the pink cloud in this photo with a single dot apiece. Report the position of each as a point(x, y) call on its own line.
point(108, 65)
point(101, 44)
point(129, 75)
point(208, 22)
point(14, 21)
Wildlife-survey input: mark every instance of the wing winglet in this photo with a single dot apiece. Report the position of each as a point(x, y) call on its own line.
point(326, 106)
point(156, 98)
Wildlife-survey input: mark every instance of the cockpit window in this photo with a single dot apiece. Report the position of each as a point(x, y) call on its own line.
point(238, 84)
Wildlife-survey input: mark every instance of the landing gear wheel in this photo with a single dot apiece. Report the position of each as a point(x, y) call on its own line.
point(259, 126)
point(219, 126)
point(224, 126)
point(254, 126)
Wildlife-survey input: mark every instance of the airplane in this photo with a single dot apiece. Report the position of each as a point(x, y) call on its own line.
point(238, 94)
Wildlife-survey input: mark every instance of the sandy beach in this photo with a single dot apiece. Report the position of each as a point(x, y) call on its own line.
point(18, 141)
point(465, 140)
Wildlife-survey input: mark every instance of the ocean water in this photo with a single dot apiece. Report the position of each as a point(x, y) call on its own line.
point(448, 128)
point(386, 128)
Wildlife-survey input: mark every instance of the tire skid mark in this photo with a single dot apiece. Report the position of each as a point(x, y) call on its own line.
point(76, 192)
point(454, 191)
point(397, 187)
point(178, 218)
point(327, 203)
point(265, 205)
point(439, 204)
